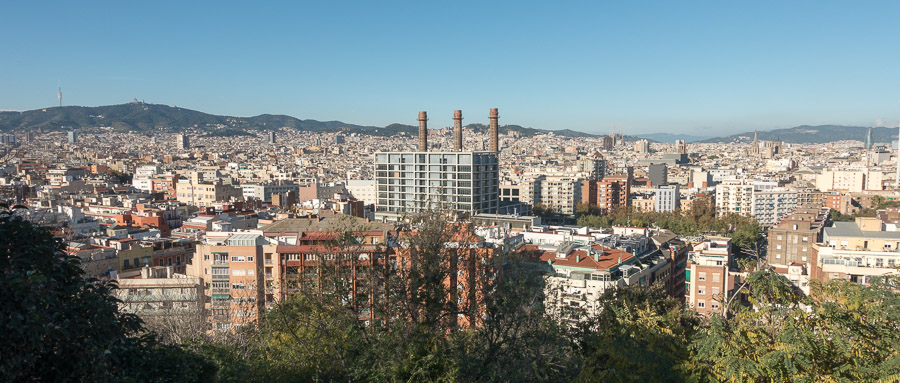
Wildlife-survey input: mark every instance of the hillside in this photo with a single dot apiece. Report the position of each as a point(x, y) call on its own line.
point(143, 117)
point(814, 134)
point(146, 117)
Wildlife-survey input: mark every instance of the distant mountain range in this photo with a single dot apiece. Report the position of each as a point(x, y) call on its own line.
point(814, 134)
point(670, 138)
point(141, 117)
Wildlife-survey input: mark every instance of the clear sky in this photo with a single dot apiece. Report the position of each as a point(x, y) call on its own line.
point(705, 68)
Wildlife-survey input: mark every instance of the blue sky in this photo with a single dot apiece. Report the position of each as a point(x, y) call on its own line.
point(704, 68)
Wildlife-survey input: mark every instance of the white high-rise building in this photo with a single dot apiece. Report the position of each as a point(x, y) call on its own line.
point(182, 141)
point(414, 182)
point(667, 198)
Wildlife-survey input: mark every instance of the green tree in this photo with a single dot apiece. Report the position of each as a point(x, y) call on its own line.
point(639, 335)
point(58, 325)
point(842, 332)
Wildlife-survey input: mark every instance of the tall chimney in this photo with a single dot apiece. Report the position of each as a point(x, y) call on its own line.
point(495, 131)
point(423, 131)
point(457, 130)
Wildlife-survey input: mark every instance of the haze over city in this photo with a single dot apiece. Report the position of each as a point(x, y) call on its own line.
point(701, 68)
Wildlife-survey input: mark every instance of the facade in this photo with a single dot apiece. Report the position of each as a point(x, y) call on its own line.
point(182, 142)
point(579, 274)
point(853, 181)
point(771, 205)
point(709, 281)
point(155, 294)
point(792, 239)
point(203, 194)
point(857, 251)
point(607, 194)
point(667, 198)
point(362, 190)
point(415, 182)
point(593, 168)
point(72, 137)
point(734, 196)
point(836, 200)
point(231, 265)
point(143, 176)
point(642, 146)
point(560, 194)
point(658, 174)
point(264, 191)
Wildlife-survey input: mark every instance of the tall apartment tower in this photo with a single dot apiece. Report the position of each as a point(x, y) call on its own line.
point(642, 146)
point(595, 168)
point(658, 174)
point(72, 137)
point(182, 141)
point(420, 181)
point(272, 137)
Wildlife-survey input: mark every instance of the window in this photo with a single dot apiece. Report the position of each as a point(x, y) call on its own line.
point(701, 291)
point(701, 304)
point(805, 239)
point(715, 291)
point(715, 305)
point(715, 277)
point(777, 247)
point(249, 258)
point(777, 256)
point(238, 273)
point(237, 258)
point(250, 272)
point(779, 237)
point(701, 277)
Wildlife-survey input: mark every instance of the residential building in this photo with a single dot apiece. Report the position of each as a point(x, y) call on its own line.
point(609, 193)
point(414, 182)
point(667, 198)
point(709, 280)
point(658, 174)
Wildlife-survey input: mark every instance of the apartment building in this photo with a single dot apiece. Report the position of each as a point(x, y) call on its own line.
point(837, 200)
point(609, 193)
point(580, 273)
point(709, 279)
point(232, 269)
point(415, 182)
point(264, 191)
point(771, 205)
point(857, 251)
point(792, 239)
point(667, 198)
point(203, 194)
point(155, 293)
point(560, 194)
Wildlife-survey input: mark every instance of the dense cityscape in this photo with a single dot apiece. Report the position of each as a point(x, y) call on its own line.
point(468, 192)
point(208, 236)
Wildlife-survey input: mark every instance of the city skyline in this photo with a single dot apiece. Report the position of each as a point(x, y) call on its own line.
point(709, 69)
